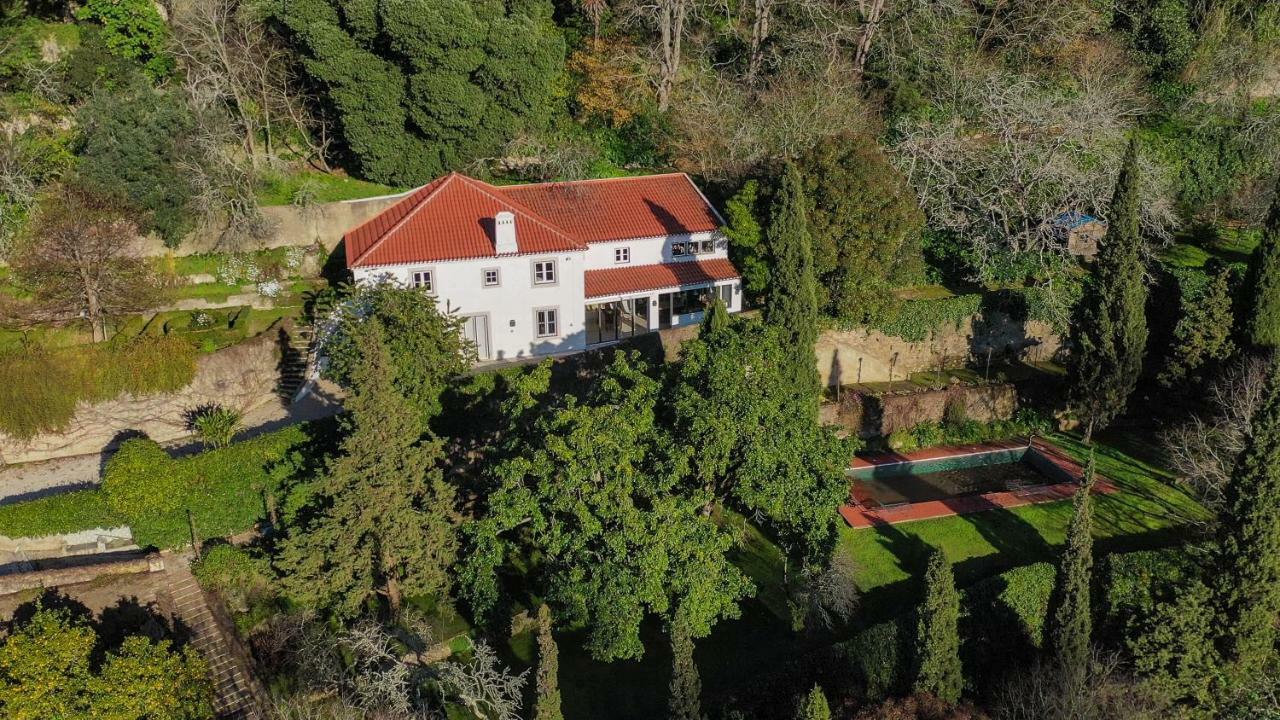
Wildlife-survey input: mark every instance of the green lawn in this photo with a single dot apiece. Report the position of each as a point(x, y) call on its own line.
point(1228, 245)
point(1149, 512)
point(282, 190)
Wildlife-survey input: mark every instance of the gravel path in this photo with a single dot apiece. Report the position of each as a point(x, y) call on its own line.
point(36, 479)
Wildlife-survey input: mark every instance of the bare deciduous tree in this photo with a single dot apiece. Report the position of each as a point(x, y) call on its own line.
point(1203, 450)
point(1105, 692)
point(81, 263)
point(831, 592)
point(669, 19)
point(483, 685)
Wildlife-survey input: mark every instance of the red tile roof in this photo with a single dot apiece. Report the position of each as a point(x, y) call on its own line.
point(451, 218)
point(618, 281)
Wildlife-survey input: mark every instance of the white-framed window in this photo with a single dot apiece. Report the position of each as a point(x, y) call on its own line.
point(678, 249)
point(544, 272)
point(492, 278)
point(702, 247)
point(622, 255)
point(423, 278)
point(546, 322)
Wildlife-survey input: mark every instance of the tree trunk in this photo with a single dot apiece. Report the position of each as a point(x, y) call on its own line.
point(759, 34)
point(872, 21)
point(392, 584)
point(671, 17)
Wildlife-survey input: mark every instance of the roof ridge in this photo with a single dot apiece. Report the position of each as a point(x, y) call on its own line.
point(413, 211)
point(497, 194)
point(585, 181)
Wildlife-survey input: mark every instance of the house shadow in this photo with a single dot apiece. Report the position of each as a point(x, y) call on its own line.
point(669, 222)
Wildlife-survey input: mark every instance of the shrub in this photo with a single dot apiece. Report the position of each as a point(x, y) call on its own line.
point(57, 514)
point(141, 479)
point(40, 388)
point(239, 577)
point(215, 425)
point(955, 414)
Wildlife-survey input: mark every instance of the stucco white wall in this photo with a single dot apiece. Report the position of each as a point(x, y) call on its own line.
point(459, 287)
point(650, 251)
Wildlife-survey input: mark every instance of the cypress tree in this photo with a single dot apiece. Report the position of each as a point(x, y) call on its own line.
point(1263, 323)
point(1248, 567)
point(547, 704)
point(686, 687)
point(793, 295)
point(938, 634)
point(1110, 331)
point(1071, 623)
point(814, 706)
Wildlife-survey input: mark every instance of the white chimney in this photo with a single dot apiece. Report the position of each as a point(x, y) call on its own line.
point(504, 233)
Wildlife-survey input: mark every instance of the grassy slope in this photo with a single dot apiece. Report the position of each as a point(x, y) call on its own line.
point(326, 188)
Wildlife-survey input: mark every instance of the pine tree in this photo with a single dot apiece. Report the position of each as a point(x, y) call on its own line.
point(379, 521)
point(1110, 331)
point(547, 704)
point(1248, 567)
point(793, 296)
point(814, 706)
point(1263, 322)
point(938, 634)
point(686, 687)
point(1071, 623)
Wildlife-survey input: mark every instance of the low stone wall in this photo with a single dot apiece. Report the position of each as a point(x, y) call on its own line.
point(244, 376)
point(846, 357)
point(880, 414)
point(325, 224)
point(80, 573)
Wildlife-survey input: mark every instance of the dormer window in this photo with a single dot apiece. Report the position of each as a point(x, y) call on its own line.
point(622, 255)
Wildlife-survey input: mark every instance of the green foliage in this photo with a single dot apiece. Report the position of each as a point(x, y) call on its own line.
point(1071, 620)
point(133, 29)
point(865, 226)
point(380, 518)
point(1171, 644)
point(752, 442)
point(1160, 32)
point(547, 684)
point(814, 706)
point(938, 670)
point(916, 320)
point(419, 90)
point(793, 300)
point(586, 485)
point(49, 669)
point(426, 346)
point(954, 413)
point(1262, 324)
point(930, 434)
point(1247, 567)
point(1109, 334)
point(132, 147)
point(235, 574)
point(686, 686)
point(1202, 337)
point(40, 388)
point(746, 238)
point(216, 426)
point(57, 514)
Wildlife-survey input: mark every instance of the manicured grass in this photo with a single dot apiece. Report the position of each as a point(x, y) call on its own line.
point(1147, 512)
point(326, 188)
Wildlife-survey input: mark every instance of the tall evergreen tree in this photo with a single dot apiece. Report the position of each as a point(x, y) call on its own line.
point(814, 706)
point(793, 295)
point(547, 704)
point(1071, 623)
point(685, 701)
point(1110, 331)
point(1248, 567)
point(1263, 319)
point(379, 521)
point(938, 634)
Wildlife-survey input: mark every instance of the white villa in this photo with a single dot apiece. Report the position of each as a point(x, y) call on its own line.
point(554, 267)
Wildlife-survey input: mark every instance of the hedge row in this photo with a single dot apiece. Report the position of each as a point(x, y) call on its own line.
point(151, 492)
point(916, 320)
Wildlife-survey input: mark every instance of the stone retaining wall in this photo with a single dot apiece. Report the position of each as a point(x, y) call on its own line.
point(880, 414)
point(71, 575)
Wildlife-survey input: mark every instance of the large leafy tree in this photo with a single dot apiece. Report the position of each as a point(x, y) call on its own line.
point(1248, 568)
point(48, 670)
point(419, 88)
point(133, 29)
point(1263, 320)
point(864, 223)
point(425, 346)
point(378, 522)
point(133, 145)
point(752, 442)
point(938, 634)
point(1071, 622)
point(586, 488)
point(1109, 334)
point(746, 238)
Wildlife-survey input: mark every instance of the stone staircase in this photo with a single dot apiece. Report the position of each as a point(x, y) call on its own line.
point(295, 358)
point(238, 694)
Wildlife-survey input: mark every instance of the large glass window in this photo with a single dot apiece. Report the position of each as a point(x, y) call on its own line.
point(686, 302)
point(608, 322)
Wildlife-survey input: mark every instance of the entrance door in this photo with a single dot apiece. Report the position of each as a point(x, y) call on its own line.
point(664, 311)
point(476, 329)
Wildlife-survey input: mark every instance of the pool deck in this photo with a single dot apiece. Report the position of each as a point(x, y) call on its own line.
point(860, 511)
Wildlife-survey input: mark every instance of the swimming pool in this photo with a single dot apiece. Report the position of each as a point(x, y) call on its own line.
point(890, 481)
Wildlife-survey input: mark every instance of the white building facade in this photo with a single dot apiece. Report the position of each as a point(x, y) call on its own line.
point(556, 267)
